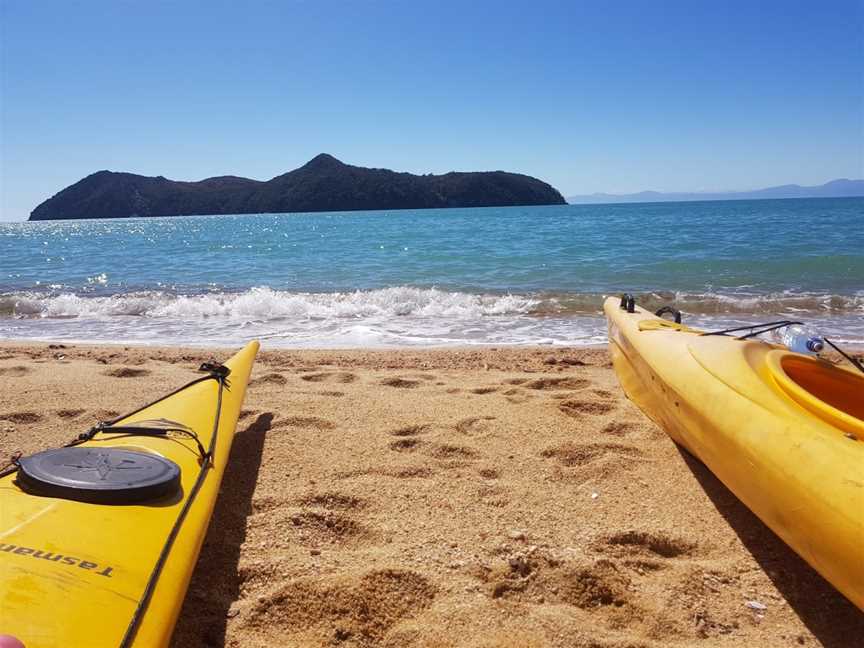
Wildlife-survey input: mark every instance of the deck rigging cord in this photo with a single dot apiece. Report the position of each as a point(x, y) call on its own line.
point(214, 371)
point(628, 303)
point(767, 327)
point(160, 427)
point(219, 373)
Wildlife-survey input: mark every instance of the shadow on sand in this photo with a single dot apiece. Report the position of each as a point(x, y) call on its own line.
point(832, 619)
point(216, 583)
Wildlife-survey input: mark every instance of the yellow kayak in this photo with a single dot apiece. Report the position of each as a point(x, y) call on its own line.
point(98, 540)
point(783, 431)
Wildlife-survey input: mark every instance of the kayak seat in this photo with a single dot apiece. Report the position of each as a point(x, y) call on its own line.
point(828, 392)
point(842, 390)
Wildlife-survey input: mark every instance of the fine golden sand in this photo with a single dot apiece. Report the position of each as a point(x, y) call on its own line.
point(441, 498)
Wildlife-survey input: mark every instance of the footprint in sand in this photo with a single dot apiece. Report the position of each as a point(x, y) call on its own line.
point(541, 578)
point(412, 430)
point(126, 372)
point(70, 413)
point(400, 383)
point(493, 496)
point(412, 472)
point(582, 454)
point(23, 418)
point(305, 422)
point(407, 444)
point(408, 472)
point(474, 425)
point(346, 607)
point(657, 543)
point(327, 519)
point(270, 379)
point(561, 383)
point(317, 528)
point(517, 396)
point(579, 408)
point(573, 362)
point(619, 428)
point(339, 377)
point(484, 390)
point(105, 414)
point(698, 596)
point(14, 372)
point(447, 451)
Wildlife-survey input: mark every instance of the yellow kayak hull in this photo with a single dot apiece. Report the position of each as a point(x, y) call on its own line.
point(783, 431)
point(75, 574)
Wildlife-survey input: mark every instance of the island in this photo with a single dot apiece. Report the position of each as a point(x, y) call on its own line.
point(840, 188)
point(322, 184)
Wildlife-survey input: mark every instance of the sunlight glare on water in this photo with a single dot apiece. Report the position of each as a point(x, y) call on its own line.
point(519, 275)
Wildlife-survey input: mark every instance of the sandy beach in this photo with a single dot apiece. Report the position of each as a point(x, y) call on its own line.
point(440, 498)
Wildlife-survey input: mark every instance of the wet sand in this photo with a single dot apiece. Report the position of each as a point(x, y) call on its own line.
point(442, 498)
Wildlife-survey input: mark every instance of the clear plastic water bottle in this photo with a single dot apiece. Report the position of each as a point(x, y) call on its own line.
point(798, 339)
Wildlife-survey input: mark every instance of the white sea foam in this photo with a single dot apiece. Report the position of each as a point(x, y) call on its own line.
point(398, 316)
point(263, 303)
point(267, 304)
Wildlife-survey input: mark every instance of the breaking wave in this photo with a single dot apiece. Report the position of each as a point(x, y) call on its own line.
point(263, 303)
point(267, 304)
point(398, 316)
point(738, 303)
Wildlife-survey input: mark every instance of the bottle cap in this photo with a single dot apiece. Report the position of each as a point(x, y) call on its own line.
point(815, 344)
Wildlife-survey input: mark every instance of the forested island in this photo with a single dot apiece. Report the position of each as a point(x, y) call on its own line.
point(322, 184)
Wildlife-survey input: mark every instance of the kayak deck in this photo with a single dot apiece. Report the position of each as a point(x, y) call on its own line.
point(797, 463)
point(61, 560)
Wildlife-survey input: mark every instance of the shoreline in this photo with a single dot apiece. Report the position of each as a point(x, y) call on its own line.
point(28, 347)
point(445, 497)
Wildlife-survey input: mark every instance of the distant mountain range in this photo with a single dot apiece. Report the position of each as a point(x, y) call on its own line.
point(842, 188)
point(322, 184)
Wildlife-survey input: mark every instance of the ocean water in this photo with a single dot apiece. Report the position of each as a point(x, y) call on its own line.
point(494, 276)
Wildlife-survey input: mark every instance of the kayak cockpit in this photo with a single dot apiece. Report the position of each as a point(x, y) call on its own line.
point(778, 379)
point(831, 393)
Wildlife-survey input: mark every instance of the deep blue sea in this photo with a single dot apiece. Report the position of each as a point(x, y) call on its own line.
point(495, 276)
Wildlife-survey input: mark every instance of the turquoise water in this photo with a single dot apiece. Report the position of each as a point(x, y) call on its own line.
point(461, 276)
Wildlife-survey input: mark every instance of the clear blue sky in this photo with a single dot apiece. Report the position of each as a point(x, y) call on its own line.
point(590, 96)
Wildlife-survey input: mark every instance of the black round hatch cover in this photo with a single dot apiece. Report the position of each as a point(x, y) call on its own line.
point(100, 475)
